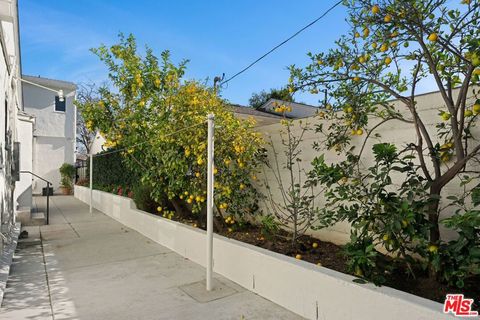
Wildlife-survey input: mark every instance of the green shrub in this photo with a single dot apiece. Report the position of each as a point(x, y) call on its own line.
point(269, 226)
point(143, 199)
point(67, 171)
point(110, 170)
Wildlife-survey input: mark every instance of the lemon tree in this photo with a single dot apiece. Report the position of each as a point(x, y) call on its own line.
point(159, 119)
point(394, 48)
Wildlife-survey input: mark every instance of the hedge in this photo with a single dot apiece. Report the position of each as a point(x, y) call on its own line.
point(110, 170)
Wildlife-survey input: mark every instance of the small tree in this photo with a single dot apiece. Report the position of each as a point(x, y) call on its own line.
point(87, 95)
point(395, 46)
point(67, 172)
point(296, 211)
point(259, 99)
point(160, 120)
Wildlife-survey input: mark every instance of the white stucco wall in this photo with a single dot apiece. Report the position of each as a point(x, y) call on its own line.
point(23, 188)
point(54, 134)
point(10, 97)
point(396, 132)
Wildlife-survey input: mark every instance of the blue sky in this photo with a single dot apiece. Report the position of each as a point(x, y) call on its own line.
point(216, 36)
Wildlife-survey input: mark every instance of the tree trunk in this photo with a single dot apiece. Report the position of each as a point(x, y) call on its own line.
point(180, 208)
point(433, 214)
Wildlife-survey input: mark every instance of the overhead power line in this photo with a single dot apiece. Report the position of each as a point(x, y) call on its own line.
point(282, 43)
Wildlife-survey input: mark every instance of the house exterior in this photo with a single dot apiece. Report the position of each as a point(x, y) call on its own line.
point(11, 99)
point(262, 118)
point(298, 110)
point(54, 130)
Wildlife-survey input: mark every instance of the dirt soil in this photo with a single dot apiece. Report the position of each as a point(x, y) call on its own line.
point(329, 255)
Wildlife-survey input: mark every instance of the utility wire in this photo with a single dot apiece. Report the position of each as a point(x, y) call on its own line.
point(141, 143)
point(282, 43)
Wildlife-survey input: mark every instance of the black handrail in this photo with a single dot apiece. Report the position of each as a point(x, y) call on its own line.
point(48, 192)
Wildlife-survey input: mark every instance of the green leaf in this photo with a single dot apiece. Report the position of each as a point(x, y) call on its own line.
point(476, 195)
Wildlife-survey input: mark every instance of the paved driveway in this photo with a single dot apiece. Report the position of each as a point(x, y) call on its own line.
point(88, 266)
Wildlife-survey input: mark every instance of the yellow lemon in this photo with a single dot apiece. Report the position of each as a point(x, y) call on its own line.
point(375, 9)
point(366, 32)
point(359, 132)
point(433, 37)
point(432, 248)
point(388, 60)
point(314, 245)
point(387, 18)
point(298, 257)
point(468, 113)
point(476, 108)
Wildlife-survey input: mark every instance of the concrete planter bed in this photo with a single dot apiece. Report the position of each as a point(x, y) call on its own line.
point(304, 288)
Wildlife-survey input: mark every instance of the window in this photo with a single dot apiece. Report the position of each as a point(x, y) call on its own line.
point(60, 105)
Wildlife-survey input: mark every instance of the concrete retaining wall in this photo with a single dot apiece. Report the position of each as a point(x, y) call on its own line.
point(304, 288)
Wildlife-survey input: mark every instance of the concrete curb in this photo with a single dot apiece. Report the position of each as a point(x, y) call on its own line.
point(6, 260)
point(301, 287)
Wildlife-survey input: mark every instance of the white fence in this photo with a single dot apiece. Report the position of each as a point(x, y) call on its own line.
point(397, 132)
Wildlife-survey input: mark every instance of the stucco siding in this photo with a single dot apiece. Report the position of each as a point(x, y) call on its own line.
point(23, 188)
point(10, 102)
point(54, 134)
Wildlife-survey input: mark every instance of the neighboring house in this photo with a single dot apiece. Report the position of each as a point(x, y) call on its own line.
point(54, 131)
point(262, 118)
point(11, 100)
point(97, 144)
point(299, 110)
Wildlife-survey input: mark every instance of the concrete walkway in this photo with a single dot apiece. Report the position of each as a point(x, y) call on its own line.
point(88, 266)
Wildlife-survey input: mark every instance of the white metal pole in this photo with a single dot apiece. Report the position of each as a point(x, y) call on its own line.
point(91, 181)
point(210, 203)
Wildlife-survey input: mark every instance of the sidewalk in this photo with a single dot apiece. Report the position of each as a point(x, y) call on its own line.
point(88, 266)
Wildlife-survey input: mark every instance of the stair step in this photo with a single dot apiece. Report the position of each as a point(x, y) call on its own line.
point(24, 215)
point(38, 219)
